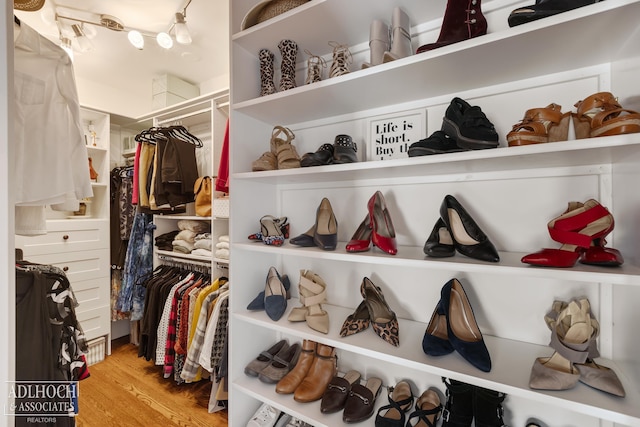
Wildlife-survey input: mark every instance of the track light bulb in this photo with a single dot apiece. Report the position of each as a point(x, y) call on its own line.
point(65, 44)
point(84, 44)
point(164, 40)
point(182, 32)
point(136, 39)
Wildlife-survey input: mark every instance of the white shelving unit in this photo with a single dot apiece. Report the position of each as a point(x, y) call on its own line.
point(512, 192)
point(205, 117)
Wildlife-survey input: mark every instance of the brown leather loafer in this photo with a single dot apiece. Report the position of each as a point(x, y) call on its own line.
point(361, 401)
point(335, 396)
point(292, 380)
point(323, 369)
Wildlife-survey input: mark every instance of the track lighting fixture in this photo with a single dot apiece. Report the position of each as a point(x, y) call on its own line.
point(84, 44)
point(65, 44)
point(76, 30)
point(164, 40)
point(182, 32)
point(136, 39)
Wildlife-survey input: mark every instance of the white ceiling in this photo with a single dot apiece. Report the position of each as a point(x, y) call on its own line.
point(115, 62)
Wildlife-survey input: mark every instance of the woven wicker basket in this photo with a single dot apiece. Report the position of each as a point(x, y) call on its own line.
point(277, 7)
point(268, 9)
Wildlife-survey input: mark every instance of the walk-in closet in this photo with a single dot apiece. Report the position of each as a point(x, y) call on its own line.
point(294, 213)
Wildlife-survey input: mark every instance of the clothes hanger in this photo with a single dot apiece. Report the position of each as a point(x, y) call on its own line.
point(181, 133)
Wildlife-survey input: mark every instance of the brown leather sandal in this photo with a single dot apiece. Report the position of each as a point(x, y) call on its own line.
point(602, 115)
point(540, 125)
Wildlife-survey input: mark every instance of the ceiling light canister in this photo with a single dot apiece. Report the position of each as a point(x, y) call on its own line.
point(164, 40)
point(84, 44)
point(182, 32)
point(65, 44)
point(136, 39)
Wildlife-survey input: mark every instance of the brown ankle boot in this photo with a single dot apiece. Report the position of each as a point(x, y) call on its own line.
point(323, 369)
point(292, 380)
point(463, 19)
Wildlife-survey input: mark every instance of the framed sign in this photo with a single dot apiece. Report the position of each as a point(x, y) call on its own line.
point(390, 136)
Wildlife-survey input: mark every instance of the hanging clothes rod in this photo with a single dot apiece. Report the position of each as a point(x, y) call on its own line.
point(168, 260)
point(183, 116)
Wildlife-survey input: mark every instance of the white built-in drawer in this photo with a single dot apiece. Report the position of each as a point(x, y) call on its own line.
point(65, 236)
point(95, 322)
point(91, 293)
point(78, 266)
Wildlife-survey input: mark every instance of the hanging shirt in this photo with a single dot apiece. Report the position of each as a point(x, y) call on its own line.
point(51, 163)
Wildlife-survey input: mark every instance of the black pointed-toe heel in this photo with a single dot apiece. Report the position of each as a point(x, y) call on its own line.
point(468, 238)
point(325, 234)
point(439, 244)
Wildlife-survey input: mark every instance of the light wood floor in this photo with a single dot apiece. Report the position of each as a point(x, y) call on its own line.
point(125, 390)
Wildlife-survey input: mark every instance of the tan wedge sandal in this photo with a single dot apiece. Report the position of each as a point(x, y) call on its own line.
point(602, 115)
point(286, 154)
point(540, 125)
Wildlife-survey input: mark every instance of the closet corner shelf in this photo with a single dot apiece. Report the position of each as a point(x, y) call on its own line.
point(91, 149)
point(511, 363)
point(573, 153)
point(181, 256)
point(414, 257)
point(98, 185)
point(181, 216)
point(221, 261)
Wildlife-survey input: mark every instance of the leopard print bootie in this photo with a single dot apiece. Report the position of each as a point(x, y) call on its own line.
point(288, 50)
point(267, 87)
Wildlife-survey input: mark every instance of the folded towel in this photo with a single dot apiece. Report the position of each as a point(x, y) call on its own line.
point(195, 226)
point(186, 235)
point(203, 236)
point(182, 246)
point(203, 244)
point(223, 238)
point(222, 253)
point(222, 245)
point(202, 252)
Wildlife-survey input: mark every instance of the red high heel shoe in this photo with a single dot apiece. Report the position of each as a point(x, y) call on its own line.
point(383, 234)
point(581, 230)
point(361, 239)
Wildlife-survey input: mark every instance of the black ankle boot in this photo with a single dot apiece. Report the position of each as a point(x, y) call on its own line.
point(487, 407)
point(458, 410)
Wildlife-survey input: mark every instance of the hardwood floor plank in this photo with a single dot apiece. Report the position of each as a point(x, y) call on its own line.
point(125, 390)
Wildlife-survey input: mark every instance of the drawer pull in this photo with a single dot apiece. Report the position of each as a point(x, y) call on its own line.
point(65, 237)
point(65, 268)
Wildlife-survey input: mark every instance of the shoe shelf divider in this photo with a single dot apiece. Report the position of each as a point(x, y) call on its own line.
point(592, 45)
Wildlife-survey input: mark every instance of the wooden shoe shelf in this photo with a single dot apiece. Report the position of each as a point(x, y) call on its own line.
point(511, 192)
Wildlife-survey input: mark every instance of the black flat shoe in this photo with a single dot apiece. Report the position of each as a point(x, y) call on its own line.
point(344, 150)
point(322, 156)
point(469, 126)
point(439, 244)
point(468, 238)
point(544, 9)
point(437, 143)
